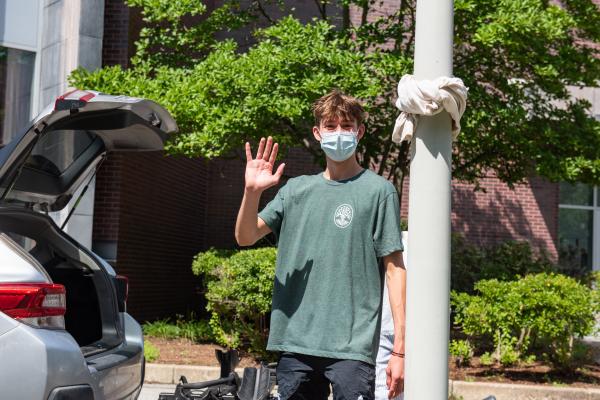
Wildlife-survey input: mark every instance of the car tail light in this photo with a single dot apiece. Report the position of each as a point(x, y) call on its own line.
point(41, 305)
point(122, 283)
point(73, 100)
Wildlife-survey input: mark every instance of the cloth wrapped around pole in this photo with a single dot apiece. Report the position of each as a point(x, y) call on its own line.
point(428, 97)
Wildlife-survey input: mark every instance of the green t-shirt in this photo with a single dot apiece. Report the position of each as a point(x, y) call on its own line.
point(328, 283)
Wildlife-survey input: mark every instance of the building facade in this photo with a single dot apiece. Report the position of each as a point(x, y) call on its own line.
point(149, 214)
point(41, 43)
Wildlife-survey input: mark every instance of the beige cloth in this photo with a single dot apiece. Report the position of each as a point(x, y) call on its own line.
point(428, 98)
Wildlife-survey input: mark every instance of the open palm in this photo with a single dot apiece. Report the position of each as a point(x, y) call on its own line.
point(259, 171)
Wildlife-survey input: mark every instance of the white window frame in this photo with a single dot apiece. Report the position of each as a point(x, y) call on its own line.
point(35, 90)
point(595, 208)
point(34, 108)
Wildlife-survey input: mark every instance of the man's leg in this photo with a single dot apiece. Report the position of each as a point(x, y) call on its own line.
point(300, 377)
point(351, 380)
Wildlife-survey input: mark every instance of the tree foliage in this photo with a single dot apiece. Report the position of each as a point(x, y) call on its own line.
point(517, 57)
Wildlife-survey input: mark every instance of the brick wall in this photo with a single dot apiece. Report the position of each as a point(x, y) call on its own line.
point(159, 212)
point(529, 213)
point(377, 10)
point(107, 200)
point(116, 41)
point(497, 213)
point(149, 211)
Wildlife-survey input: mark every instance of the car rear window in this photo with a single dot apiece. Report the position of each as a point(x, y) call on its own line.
point(25, 242)
point(58, 149)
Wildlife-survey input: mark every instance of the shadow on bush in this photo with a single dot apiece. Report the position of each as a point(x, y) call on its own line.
point(506, 261)
point(239, 287)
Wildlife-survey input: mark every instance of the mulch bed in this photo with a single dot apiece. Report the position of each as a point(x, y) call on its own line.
point(186, 352)
point(183, 351)
point(535, 373)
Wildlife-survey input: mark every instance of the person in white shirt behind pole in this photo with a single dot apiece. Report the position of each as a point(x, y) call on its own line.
point(386, 339)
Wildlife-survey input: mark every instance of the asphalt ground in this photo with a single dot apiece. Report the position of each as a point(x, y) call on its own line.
point(150, 391)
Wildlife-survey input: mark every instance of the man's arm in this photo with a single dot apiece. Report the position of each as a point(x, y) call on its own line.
point(396, 281)
point(249, 227)
point(259, 176)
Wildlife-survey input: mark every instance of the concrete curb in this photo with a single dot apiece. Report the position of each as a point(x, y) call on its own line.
point(509, 391)
point(170, 373)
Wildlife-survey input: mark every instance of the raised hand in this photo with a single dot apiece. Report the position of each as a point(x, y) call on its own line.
point(259, 171)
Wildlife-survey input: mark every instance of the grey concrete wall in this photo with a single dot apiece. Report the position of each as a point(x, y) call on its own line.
point(590, 94)
point(72, 37)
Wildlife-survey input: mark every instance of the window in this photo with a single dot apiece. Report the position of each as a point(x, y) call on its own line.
point(16, 82)
point(25, 242)
point(579, 227)
point(58, 149)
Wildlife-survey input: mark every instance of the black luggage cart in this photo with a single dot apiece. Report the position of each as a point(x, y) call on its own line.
point(255, 384)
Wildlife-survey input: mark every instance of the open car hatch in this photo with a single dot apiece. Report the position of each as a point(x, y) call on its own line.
point(45, 164)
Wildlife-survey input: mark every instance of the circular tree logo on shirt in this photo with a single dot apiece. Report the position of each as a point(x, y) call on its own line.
point(343, 215)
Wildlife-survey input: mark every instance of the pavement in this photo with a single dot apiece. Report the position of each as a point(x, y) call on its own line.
point(150, 391)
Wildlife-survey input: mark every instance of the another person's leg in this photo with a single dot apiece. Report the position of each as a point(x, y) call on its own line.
point(300, 377)
point(351, 380)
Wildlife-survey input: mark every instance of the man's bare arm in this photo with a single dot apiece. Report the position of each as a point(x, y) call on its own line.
point(259, 176)
point(249, 227)
point(396, 282)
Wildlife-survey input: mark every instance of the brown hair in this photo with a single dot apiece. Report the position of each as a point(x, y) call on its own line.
point(340, 105)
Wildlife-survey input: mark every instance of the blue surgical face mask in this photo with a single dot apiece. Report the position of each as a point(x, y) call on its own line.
point(339, 146)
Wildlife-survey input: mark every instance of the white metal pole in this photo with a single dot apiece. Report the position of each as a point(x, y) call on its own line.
point(428, 279)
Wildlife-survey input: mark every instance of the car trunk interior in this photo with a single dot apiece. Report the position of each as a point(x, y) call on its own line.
point(91, 314)
point(82, 319)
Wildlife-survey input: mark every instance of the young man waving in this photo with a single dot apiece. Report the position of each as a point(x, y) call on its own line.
point(333, 229)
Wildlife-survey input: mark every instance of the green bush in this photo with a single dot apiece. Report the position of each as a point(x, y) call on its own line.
point(506, 261)
point(195, 330)
point(538, 314)
point(462, 351)
point(529, 360)
point(239, 289)
point(509, 355)
point(161, 329)
point(486, 359)
point(151, 353)
point(592, 280)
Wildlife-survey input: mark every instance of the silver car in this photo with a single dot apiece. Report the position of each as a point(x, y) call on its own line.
point(64, 330)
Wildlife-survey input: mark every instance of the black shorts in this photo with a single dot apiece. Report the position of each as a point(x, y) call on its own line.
point(302, 377)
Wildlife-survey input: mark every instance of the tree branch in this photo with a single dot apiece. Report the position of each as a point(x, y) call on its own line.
point(400, 24)
point(365, 14)
point(411, 30)
point(263, 12)
point(403, 155)
point(296, 131)
point(321, 7)
point(385, 157)
point(346, 18)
